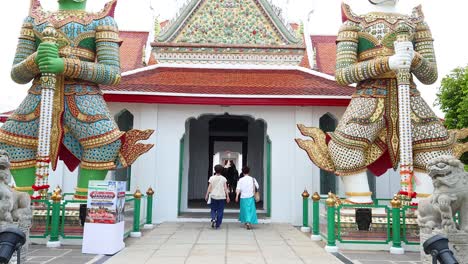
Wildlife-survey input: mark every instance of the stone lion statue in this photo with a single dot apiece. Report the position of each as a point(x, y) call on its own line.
point(14, 206)
point(450, 196)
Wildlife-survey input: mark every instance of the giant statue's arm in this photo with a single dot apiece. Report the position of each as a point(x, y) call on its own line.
point(24, 66)
point(348, 69)
point(424, 65)
point(106, 70)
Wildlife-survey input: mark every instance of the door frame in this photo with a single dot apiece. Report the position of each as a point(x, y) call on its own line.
point(268, 181)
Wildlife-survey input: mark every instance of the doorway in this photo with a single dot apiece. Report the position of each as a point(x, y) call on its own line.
point(219, 139)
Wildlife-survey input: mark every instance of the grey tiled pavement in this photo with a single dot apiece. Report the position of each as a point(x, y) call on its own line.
point(381, 257)
point(197, 243)
point(39, 254)
point(189, 243)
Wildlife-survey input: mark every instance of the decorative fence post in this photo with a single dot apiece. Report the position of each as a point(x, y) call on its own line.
point(54, 228)
point(149, 209)
point(305, 212)
point(331, 241)
point(316, 217)
point(136, 214)
point(396, 235)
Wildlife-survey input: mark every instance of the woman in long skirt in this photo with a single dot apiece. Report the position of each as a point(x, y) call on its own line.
point(246, 188)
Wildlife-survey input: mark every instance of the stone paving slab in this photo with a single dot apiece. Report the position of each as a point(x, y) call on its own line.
point(198, 243)
point(381, 257)
point(39, 254)
point(193, 243)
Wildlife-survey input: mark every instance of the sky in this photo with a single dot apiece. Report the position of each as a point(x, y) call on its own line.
point(447, 22)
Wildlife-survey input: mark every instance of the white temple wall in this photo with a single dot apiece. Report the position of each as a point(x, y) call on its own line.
point(388, 184)
point(291, 169)
point(171, 126)
point(307, 175)
point(64, 178)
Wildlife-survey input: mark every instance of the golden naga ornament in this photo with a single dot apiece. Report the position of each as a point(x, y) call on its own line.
point(460, 148)
point(316, 148)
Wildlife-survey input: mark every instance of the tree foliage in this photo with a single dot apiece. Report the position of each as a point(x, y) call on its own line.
point(453, 101)
point(453, 98)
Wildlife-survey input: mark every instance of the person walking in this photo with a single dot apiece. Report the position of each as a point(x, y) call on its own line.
point(232, 177)
point(246, 188)
point(217, 195)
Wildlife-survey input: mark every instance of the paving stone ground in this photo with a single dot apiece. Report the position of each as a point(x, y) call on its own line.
point(193, 243)
point(40, 254)
point(198, 243)
point(381, 257)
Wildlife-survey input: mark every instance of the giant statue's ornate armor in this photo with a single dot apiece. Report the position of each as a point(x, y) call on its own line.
point(367, 136)
point(369, 126)
point(83, 132)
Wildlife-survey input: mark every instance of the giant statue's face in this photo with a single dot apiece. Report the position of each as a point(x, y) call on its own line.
point(384, 2)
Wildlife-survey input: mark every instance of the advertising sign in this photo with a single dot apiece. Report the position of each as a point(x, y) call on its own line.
point(106, 202)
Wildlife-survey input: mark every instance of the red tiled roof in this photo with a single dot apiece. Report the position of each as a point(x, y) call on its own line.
point(208, 82)
point(305, 60)
point(152, 60)
point(325, 49)
point(131, 50)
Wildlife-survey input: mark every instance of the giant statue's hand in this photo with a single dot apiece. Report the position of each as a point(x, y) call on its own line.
point(404, 53)
point(48, 58)
point(399, 61)
point(404, 47)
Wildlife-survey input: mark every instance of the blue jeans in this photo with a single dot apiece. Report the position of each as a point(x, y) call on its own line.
point(217, 210)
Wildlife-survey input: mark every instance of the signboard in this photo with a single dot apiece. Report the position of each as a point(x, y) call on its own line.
point(106, 202)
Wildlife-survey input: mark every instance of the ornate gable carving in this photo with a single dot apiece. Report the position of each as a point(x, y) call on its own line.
point(238, 22)
point(229, 31)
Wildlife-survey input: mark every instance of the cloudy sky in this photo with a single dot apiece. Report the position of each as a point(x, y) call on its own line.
point(446, 21)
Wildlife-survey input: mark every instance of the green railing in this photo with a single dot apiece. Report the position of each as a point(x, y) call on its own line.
point(408, 236)
point(41, 227)
point(68, 219)
point(315, 210)
point(129, 215)
point(305, 212)
point(59, 218)
point(322, 219)
point(391, 223)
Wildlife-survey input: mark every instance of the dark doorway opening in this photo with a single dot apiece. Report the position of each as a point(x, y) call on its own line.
point(217, 139)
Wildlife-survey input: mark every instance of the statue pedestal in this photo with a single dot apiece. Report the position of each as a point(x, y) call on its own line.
point(24, 249)
point(458, 243)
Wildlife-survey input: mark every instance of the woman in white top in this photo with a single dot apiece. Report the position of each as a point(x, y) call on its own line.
point(218, 194)
point(246, 189)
